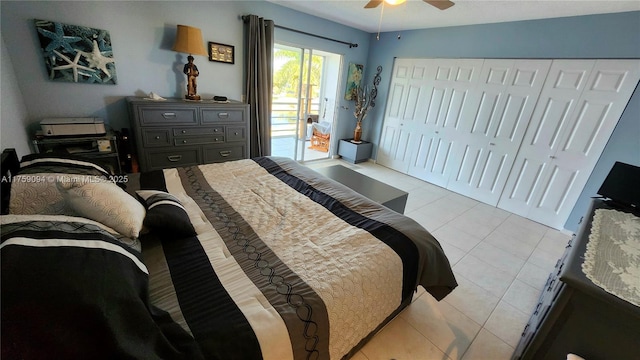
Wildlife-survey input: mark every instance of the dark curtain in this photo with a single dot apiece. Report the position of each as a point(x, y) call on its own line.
point(258, 34)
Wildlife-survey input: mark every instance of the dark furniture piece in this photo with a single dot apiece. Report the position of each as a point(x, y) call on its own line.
point(10, 167)
point(354, 153)
point(175, 132)
point(83, 146)
point(573, 314)
point(394, 199)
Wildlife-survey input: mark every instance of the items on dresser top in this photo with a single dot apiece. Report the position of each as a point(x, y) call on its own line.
point(621, 186)
point(181, 133)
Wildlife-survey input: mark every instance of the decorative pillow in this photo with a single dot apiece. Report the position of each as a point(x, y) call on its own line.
point(37, 194)
point(69, 224)
point(59, 163)
point(105, 202)
point(165, 213)
point(34, 189)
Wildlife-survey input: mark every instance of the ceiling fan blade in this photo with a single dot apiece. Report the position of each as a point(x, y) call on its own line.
point(372, 4)
point(440, 4)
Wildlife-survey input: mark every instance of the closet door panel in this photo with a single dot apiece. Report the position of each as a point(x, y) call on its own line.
point(557, 101)
point(495, 125)
point(600, 105)
point(438, 134)
point(579, 108)
point(520, 134)
point(394, 138)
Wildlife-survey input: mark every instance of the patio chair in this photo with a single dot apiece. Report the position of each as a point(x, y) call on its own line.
point(320, 136)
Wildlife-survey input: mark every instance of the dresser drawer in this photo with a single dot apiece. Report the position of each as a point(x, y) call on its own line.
point(159, 137)
point(198, 140)
point(224, 153)
point(236, 133)
point(165, 116)
point(213, 116)
point(199, 131)
point(160, 159)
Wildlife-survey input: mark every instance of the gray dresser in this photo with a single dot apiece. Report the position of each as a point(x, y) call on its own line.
point(176, 132)
point(576, 316)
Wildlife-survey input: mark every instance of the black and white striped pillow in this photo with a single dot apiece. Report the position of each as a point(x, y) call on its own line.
point(62, 164)
point(165, 213)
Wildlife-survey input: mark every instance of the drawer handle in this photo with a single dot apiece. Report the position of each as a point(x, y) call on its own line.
point(225, 153)
point(223, 115)
point(235, 133)
point(184, 131)
point(215, 130)
point(168, 115)
point(157, 137)
point(174, 158)
point(184, 141)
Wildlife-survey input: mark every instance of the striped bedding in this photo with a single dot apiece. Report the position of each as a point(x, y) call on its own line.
point(286, 264)
point(73, 289)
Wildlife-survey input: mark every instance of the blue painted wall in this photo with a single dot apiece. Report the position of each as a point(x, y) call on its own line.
point(593, 36)
point(142, 34)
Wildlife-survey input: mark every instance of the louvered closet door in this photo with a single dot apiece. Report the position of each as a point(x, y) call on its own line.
point(446, 95)
point(494, 125)
point(403, 102)
point(578, 109)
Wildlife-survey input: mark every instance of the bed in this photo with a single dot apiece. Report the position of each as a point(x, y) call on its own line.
point(251, 259)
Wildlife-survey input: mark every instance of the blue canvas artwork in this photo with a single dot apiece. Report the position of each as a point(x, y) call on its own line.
point(76, 53)
point(354, 75)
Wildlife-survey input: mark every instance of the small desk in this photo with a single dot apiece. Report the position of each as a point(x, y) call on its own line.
point(393, 198)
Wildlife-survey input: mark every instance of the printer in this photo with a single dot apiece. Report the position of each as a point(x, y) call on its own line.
point(86, 126)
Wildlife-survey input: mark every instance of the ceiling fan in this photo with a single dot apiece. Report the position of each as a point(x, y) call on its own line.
point(440, 4)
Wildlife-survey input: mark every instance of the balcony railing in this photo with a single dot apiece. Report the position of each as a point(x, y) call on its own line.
point(284, 118)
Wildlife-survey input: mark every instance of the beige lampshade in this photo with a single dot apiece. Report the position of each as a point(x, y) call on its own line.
point(189, 40)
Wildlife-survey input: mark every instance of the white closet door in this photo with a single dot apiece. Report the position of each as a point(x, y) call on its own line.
point(494, 125)
point(446, 94)
point(578, 109)
point(402, 104)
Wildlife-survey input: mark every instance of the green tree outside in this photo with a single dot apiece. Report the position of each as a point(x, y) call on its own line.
point(287, 76)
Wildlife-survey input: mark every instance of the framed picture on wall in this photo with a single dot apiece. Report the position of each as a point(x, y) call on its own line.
point(76, 53)
point(354, 76)
point(221, 53)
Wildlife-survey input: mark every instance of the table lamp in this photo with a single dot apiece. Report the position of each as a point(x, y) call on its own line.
point(189, 41)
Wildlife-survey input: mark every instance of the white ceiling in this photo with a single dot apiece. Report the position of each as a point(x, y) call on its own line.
point(416, 14)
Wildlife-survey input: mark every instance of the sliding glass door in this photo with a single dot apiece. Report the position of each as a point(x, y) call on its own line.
point(305, 86)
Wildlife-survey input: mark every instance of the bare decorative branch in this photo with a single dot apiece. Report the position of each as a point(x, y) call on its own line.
point(366, 98)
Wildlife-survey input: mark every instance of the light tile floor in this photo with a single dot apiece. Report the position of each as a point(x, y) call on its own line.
point(501, 262)
point(285, 146)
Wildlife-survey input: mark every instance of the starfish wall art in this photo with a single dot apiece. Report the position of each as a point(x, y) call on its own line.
point(76, 53)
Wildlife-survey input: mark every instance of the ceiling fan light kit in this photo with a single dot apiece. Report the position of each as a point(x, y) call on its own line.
point(440, 4)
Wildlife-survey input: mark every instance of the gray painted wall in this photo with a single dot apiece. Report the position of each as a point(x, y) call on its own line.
point(594, 36)
point(13, 129)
